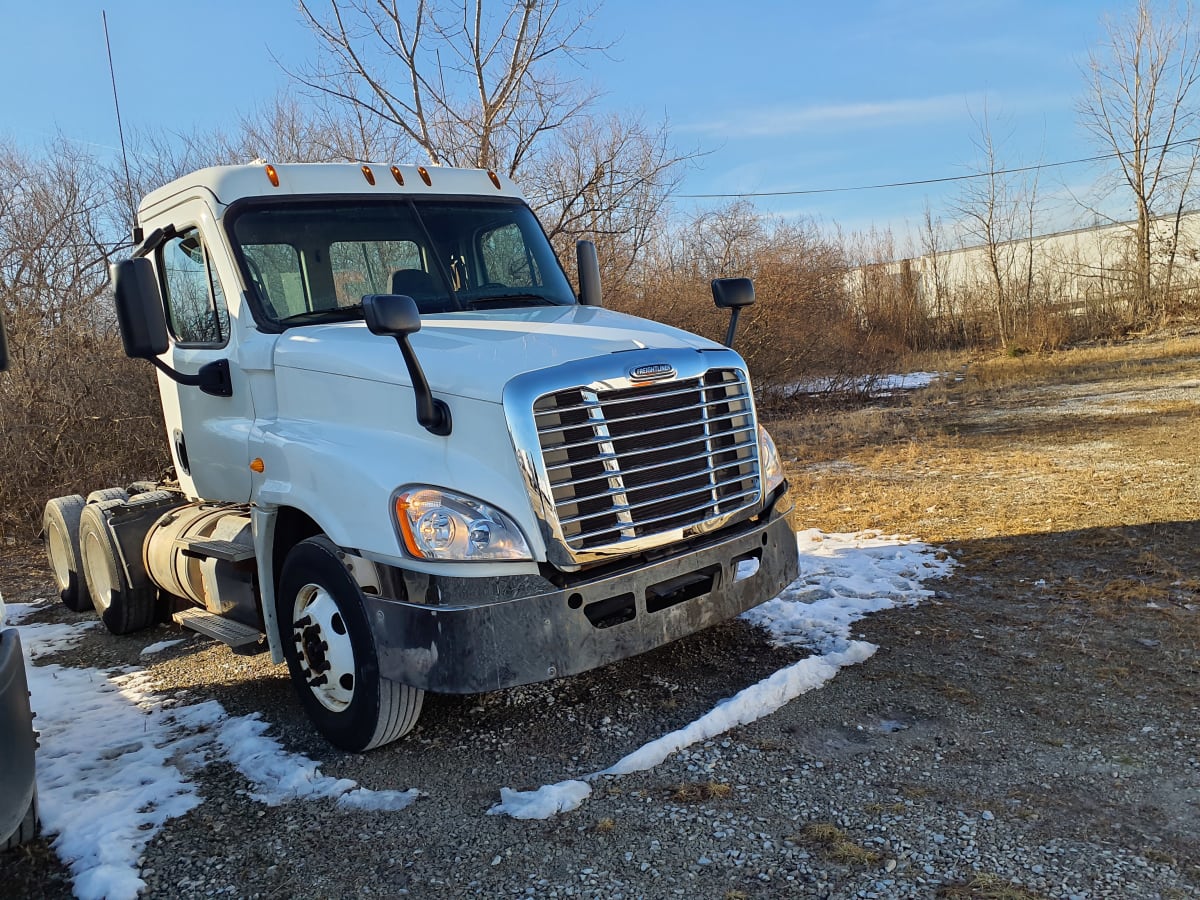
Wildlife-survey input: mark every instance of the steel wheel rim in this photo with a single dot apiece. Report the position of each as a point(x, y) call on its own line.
point(60, 554)
point(97, 568)
point(323, 648)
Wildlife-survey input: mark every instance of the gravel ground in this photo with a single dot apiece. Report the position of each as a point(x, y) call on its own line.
point(1032, 731)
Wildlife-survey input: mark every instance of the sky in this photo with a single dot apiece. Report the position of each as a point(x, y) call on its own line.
point(775, 96)
point(133, 753)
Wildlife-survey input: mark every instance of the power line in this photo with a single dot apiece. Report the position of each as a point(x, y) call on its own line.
point(943, 180)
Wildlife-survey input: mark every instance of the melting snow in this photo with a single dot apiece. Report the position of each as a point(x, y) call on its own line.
point(843, 577)
point(116, 758)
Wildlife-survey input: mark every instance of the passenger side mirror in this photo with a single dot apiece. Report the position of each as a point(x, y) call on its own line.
point(391, 314)
point(397, 316)
point(140, 312)
point(733, 294)
point(588, 263)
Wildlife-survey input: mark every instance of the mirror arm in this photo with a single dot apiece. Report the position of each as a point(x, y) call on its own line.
point(157, 238)
point(213, 378)
point(733, 321)
point(432, 414)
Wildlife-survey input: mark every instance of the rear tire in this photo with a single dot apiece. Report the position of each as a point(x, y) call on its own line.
point(104, 494)
point(28, 828)
point(122, 607)
point(60, 534)
point(331, 653)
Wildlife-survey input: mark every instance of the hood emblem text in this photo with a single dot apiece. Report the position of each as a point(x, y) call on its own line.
point(652, 372)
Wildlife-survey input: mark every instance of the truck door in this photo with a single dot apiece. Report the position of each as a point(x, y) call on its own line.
point(208, 434)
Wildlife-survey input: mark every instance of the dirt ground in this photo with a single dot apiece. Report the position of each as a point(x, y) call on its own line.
point(1054, 681)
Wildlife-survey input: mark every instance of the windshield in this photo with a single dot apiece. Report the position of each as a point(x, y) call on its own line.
point(313, 260)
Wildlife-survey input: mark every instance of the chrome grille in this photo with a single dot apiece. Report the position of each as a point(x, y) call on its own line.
point(630, 463)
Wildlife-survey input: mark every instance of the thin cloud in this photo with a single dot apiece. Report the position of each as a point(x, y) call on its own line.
point(781, 121)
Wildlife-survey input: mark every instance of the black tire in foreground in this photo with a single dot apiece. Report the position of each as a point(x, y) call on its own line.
point(60, 535)
point(122, 607)
point(331, 653)
point(28, 828)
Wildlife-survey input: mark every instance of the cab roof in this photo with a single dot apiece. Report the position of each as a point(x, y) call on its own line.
point(229, 183)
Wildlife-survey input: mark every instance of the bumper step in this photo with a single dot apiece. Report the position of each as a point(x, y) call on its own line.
point(227, 631)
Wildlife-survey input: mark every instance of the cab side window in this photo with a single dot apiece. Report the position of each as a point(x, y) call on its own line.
point(195, 303)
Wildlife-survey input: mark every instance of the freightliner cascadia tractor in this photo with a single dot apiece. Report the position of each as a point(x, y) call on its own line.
point(407, 457)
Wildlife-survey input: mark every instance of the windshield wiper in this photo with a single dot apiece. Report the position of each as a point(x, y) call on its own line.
point(333, 314)
point(499, 301)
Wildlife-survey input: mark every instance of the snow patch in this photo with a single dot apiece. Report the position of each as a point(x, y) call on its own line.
point(116, 758)
point(843, 577)
point(160, 646)
point(548, 800)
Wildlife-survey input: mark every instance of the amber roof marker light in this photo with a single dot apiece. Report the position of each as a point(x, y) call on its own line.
point(272, 175)
point(495, 180)
point(421, 170)
point(398, 175)
point(368, 174)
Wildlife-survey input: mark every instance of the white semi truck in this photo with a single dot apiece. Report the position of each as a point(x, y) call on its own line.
point(407, 456)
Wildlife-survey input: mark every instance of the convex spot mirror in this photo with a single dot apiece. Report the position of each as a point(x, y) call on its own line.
point(391, 314)
point(140, 312)
point(733, 293)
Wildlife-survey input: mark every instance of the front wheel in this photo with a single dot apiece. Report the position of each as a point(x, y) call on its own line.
point(331, 654)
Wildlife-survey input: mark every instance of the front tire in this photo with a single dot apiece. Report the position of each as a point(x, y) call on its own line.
point(60, 534)
point(331, 653)
point(122, 607)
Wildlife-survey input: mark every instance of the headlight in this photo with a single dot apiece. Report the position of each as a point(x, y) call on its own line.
point(772, 468)
point(436, 524)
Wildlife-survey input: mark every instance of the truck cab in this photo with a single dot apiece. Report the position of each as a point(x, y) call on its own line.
point(409, 457)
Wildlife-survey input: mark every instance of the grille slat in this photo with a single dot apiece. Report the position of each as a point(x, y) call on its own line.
point(640, 469)
point(629, 507)
point(611, 419)
point(644, 433)
point(632, 463)
point(662, 448)
point(592, 534)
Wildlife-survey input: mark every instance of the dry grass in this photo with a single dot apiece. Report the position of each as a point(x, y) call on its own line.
point(835, 845)
point(1143, 358)
point(699, 792)
point(1000, 453)
point(987, 887)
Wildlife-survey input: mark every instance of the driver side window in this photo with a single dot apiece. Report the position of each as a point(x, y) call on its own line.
point(195, 303)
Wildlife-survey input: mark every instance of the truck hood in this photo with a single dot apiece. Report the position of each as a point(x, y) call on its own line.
point(472, 354)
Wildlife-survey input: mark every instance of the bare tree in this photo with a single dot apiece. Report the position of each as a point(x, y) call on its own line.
point(465, 84)
point(1140, 104)
point(468, 83)
point(72, 408)
point(999, 212)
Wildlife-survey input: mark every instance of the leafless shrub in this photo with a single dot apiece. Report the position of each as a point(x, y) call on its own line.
point(74, 413)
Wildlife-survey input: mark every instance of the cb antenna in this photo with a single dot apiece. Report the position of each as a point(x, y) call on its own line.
point(120, 131)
